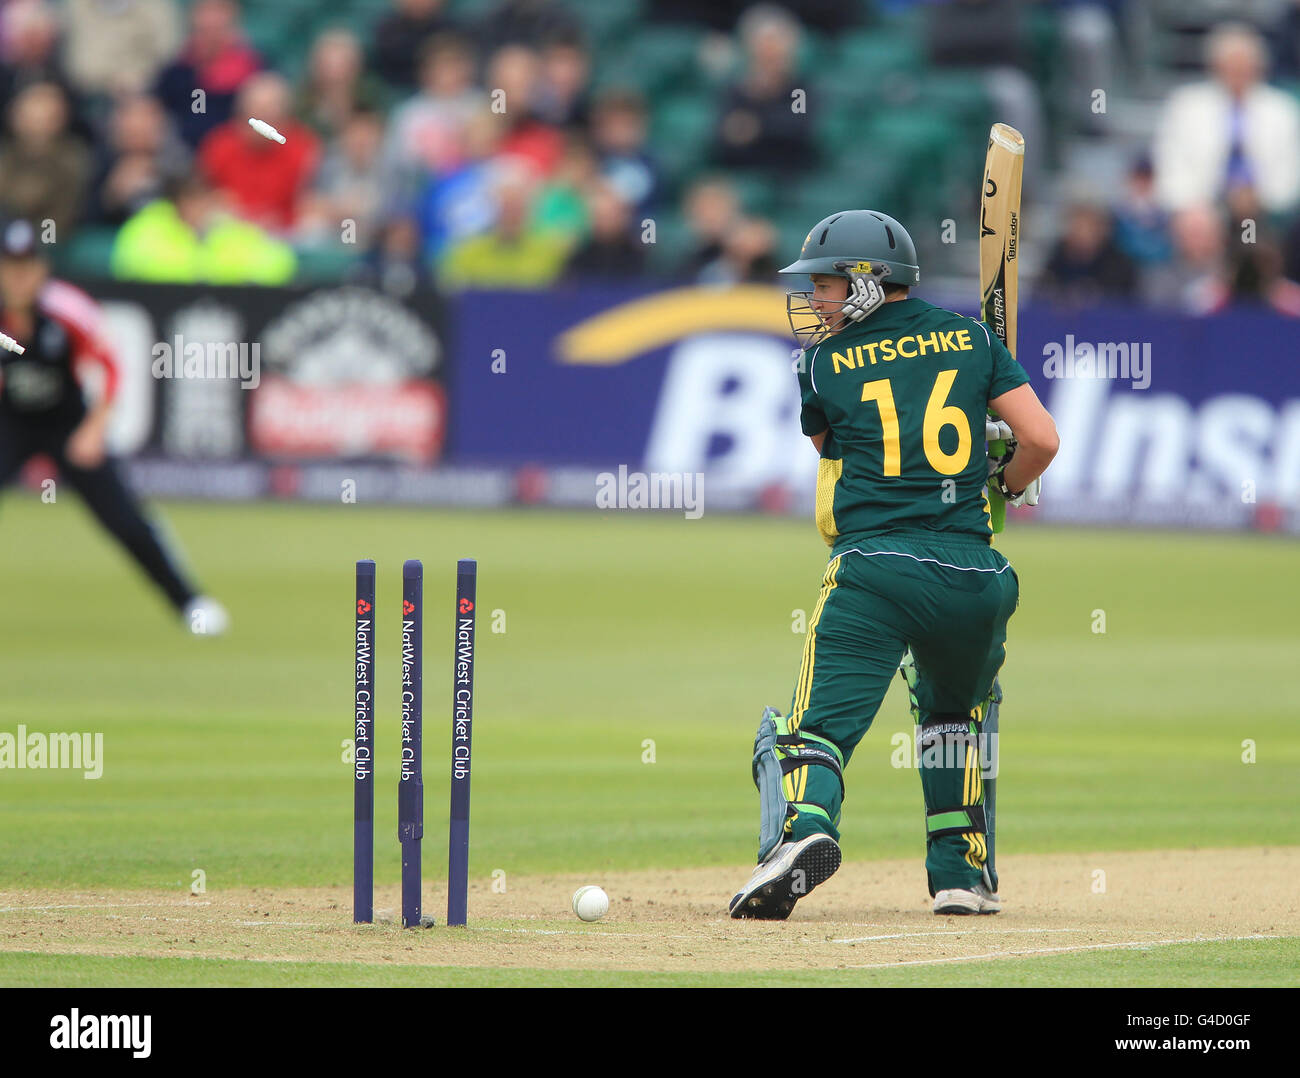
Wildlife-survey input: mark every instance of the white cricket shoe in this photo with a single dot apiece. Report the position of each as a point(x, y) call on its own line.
point(979, 899)
point(206, 617)
point(793, 870)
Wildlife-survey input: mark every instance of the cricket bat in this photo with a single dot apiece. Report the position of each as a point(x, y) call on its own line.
point(999, 244)
point(1004, 166)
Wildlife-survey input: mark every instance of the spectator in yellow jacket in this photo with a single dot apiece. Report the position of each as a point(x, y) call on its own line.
point(184, 238)
point(516, 252)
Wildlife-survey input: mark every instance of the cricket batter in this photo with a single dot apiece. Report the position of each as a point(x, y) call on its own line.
point(42, 410)
point(895, 396)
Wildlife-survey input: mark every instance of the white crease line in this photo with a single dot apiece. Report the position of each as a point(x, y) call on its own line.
point(98, 906)
point(957, 932)
point(1062, 950)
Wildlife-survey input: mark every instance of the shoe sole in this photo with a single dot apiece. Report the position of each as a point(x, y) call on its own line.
point(774, 900)
point(963, 906)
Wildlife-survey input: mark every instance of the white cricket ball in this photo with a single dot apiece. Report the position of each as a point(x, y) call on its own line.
point(590, 903)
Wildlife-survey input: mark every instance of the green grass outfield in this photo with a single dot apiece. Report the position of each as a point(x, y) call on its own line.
point(225, 755)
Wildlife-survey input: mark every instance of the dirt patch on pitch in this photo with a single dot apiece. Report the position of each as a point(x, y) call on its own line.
point(870, 914)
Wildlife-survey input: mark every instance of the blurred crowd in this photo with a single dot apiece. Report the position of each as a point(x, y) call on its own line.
point(468, 154)
point(481, 152)
point(1209, 216)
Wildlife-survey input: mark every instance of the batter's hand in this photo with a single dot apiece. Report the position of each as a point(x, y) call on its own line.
point(997, 431)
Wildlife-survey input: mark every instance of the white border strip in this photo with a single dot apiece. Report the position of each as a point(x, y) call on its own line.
point(1061, 950)
point(961, 932)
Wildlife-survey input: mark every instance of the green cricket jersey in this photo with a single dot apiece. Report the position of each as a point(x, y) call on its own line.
point(904, 394)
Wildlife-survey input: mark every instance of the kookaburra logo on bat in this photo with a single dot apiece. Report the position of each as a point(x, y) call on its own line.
point(990, 189)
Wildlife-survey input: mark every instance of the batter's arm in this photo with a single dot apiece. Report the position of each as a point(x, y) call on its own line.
point(1035, 431)
point(818, 439)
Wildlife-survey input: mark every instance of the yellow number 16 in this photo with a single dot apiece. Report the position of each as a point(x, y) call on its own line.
point(937, 416)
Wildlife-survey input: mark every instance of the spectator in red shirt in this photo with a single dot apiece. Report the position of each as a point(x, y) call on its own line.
point(262, 181)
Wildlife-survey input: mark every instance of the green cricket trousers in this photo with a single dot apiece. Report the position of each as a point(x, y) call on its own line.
point(946, 597)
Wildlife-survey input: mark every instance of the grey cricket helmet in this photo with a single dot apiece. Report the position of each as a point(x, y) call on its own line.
point(869, 250)
point(854, 236)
